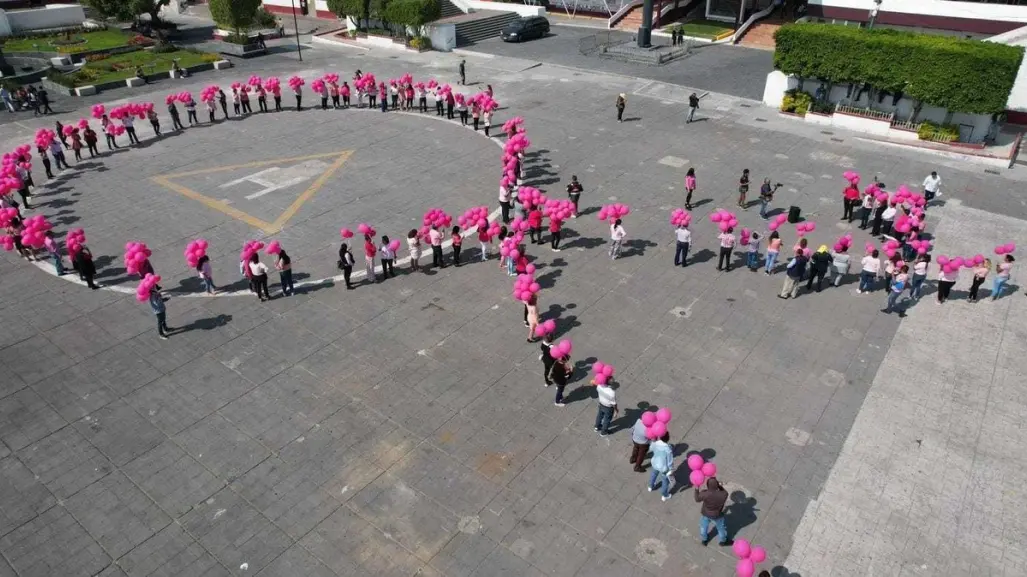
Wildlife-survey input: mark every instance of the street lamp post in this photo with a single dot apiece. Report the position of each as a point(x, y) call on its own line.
point(296, 29)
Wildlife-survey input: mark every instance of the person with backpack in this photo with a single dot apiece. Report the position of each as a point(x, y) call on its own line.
point(663, 463)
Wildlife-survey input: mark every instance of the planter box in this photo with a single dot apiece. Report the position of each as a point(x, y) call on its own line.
point(85, 91)
point(269, 33)
point(222, 65)
point(819, 119)
point(240, 50)
point(862, 124)
point(59, 61)
point(379, 41)
point(134, 82)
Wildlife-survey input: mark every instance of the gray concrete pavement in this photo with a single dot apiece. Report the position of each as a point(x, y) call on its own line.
point(403, 428)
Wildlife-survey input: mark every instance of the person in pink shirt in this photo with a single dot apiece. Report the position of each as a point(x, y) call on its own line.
point(484, 241)
point(727, 242)
point(458, 240)
point(773, 249)
point(1002, 271)
point(535, 225)
point(54, 248)
point(369, 253)
point(555, 225)
point(344, 91)
point(435, 240)
point(980, 273)
point(689, 187)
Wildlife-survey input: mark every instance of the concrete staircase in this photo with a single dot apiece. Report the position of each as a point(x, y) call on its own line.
point(761, 35)
point(479, 25)
point(450, 9)
point(631, 20)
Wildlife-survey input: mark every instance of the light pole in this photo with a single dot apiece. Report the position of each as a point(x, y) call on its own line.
point(296, 29)
point(873, 14)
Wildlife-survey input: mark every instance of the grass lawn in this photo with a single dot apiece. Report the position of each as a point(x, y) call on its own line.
point(124, 66)
point(706, 28)
point(96, 40)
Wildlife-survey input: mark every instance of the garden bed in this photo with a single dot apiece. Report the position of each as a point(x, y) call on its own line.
point(94, 41)
point(122, 66)
point(708, 29)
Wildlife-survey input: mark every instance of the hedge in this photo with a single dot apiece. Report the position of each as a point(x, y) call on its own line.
point(413, 13)
point(960, 75)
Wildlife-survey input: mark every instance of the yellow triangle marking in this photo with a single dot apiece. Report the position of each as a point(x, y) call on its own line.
point(341, 157)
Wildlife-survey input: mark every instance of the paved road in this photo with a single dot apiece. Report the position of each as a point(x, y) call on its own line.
point(403, 428)
point(730, 70)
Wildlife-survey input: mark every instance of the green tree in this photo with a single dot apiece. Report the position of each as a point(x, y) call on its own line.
point(359, 10)
point(236, 14)
point(128, 9)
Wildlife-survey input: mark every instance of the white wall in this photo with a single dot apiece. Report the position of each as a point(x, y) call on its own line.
point(1018, 95)
point(443, 36)
point(521, 9)
point(52, 16)
point(944, 8)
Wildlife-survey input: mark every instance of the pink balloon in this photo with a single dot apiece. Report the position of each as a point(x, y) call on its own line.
point(723, 226)
point(744, 568)
point(600, 379)
point(530, 269)
point(648, 418)
point(696, 478)
point(663, 415)
point(608, 370)
point(758, 554)
point(515, 254)
point(659, 429)
point(709, 469)
point(598, 367)
point(695, 462)
point(741, 548)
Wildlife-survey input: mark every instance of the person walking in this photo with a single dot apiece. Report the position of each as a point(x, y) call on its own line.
point(727, 243)
point(713, 498)
point(840, 262)
point(693, 105)
point(607, 408)
point(662, 462)
point(157, 306)
point(89, 135)
point(622, 103)
point(283, 264)
point(484, 242)
point(369, 253)
point(820, 262)
point(684, 241)
point(743, 189)
point(258, 277)
point(574, 191)
point(44, 101)
point(206, 274)
point(793, 275)
point(617, 235)
point(346, 262)
point(414, 246)
point(559, 375)
point(773, 250)
point(435, 239)
point(1002, 273)
point(223, 102)
point(932, 186)
point(689, 187)
point(151, 115)
point(463, 72)
point(388, 257)
point(59, 131)
point(639, 446)
point(871, 270)
point(130, 128)
point(45, 158)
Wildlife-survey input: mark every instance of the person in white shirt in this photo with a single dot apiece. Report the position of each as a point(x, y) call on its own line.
point(437, 98)
point(607, 408)
point(435, 238)
point(487, 119)
point(258, 277)
point(422, 99)
point(932, 186)
point(727, 242)
point(919, 275)
point(129, 125)
point(871, 271)
point(684, 240)
point(887, 219)
point(617, 235)
point(388, 257)
point(867, 206)
point(394, 94)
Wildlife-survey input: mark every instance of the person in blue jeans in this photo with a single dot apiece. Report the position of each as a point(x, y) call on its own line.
point(663, 463)
point(607, 408)
point(559, 371)
point(684, 240)
point(1002, 271)
point(752, 257)
point(898, 284)
point(713, 498)
point(868, 274)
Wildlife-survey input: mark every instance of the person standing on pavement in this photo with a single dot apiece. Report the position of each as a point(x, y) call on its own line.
point(44, 101)
point(932, 186)
point(607, 408)
point(684, 241)
point(190, 110)
point(258, 277)
point(558, 375)
point(662, 462)
point(504, 203)
point(130, 128)
point(689, 187)
point(83, 263)
point(622, 103)
point(45, 158)
point(639, 446)
point(157, 306)
point(151, 115)
point(866, 208)
point(793, 275)
point(773, 250)
point(58, 153)
point(388, 257)
point(414, 246)
point(463, 72)
point(743, 188)
point(617, 234)
point(89, 135)
point(821, 262)
point(840, 261)
point(223, 101)
point(1002, 273)
point(727, 243)
point(713, 498)
point(546, 357)
point(693, 105)
point(53, 248)
point(176, 122)
point(370, 251)
point(766, 195)
point(59, 131)
point(896, 288)
point(435, 239)
point(346, 262)
point(283, 264)
point(574, 190)
point(850, 198)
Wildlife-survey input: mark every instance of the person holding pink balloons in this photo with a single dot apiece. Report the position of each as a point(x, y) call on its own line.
point(727, 243)
point(640, 441)
point(414, 246)
point(176, 121)
point(258, 277)
point(546, 346)
point(157, 306)
point(916, 284)
point(617, 235)
point(89, 135)
point(151, 115)
point(283, 264)
point(713, 498)
point(896, 288)
point(980, 271)
point(369, 253)
point(435, 239)
point(1002, 272)
point(662, 462)
point(531, 316)
point(947, 276)
point(607, 397)
point(206, 274)
point(387, 250)
point(560, 372)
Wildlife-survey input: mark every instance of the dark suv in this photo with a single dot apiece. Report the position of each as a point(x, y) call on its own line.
point(525, 28)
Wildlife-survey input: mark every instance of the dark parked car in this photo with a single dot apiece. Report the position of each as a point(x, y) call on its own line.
point(525, 28)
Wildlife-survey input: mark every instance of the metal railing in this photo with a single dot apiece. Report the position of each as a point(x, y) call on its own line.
point(594, 43)
point(906, 125)
point(865, 112)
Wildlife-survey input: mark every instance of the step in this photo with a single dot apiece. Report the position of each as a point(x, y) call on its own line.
point(487, 25)
point(449, 9)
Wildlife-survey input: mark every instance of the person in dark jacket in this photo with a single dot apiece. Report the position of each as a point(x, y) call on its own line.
point(547, 357)
point(558, 374)
point(713, 498)
point(821, 263)
point(83, 263)
point(793, 275)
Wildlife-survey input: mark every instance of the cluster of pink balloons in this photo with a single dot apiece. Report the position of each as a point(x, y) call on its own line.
point(273, 85)
point(953, 265)
point(613, 211)
point(545, 328)
point(748, 557)
point(484, 101)
point(891, 247)
point(558, 210)
point(194, 251)
point(903, 195)
point(318, 86)
point(346, 233)
point(45, 136)
point(366, 229)
point(7, 215)
point(530, 197)
point(744, 236)
point(1005, 248)
point(7, 242)
point(136, 254)
point(844, 243)
point(475, 216)
point(137, 109)
point(603, 371)
point(365, 83)
point(777, 222)
point(725, 219)
point(255, 81)
point(145, 286)
point(561, 349)
point(802, 228)
point(184, 97)
point(701, 470)
point(273, 247)
point(295, 82)
point(680, 217)
point(74, 241)
point(656, 423)
point(250, 248)
point(525, 287)
point(209, 93)
point(851, 176)
point(34, 229)
point(920, 246)
point(98, 111)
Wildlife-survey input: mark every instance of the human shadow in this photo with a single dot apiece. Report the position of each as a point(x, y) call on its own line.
point(632, 119)
point(585, 242)
point(701, 256)
point(588, 210)
point(565, 324)
point(205, 324)
point(781, 571)
point(636, 247)
point(627, 419)
point(740, 512)
point(701, 202)
point(548, 280)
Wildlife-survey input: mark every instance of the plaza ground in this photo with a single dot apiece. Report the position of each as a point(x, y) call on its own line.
point(403, 428)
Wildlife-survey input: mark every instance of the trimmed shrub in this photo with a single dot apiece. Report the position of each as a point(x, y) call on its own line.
point(797, 102)
point(960, 75)
point(938, 132)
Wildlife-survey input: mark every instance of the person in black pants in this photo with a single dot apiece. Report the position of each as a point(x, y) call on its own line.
point(878, 212)
point(46, 161)
point(558, 375)
point(258, 277)
point(346, 264)
point(223, 101)
point(820, 261)
point(463, 72)
point(44, 101)
point(547, 357)
point(83, 263)
point(176, 122)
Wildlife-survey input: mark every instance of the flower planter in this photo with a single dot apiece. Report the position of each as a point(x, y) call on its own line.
point(791, 114)
point(240, 50)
